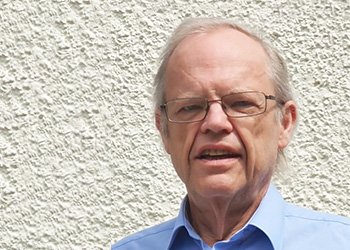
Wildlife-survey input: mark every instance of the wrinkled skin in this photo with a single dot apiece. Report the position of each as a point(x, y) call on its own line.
point(227, 191)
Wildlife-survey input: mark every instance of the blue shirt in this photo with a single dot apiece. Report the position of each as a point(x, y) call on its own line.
point(275, 225)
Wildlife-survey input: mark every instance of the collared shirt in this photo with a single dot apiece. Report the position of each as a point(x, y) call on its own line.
point(275, 225)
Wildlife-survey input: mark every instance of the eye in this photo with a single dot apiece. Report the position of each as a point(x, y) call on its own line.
point(242, 104)
point(191, 108)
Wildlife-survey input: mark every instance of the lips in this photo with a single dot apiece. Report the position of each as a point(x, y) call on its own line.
point(217, 154)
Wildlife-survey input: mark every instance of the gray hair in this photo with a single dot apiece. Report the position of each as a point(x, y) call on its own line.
point(277, 69)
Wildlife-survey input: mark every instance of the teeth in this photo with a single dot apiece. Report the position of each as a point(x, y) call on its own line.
point(215, 152)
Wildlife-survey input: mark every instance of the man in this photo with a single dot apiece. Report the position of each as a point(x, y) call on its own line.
point(225, 113)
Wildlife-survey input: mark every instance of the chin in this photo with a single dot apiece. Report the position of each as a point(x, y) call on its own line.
point(220, 186)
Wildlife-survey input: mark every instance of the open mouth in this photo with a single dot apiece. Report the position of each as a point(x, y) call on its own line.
point(214, 154)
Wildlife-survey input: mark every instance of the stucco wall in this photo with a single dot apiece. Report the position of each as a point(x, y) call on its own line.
point(81, 164)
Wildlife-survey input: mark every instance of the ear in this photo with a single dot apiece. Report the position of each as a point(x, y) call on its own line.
point(288, 123)
point(161, 129)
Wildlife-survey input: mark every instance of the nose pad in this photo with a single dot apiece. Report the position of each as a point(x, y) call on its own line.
point(219, 102)
point(216, 119)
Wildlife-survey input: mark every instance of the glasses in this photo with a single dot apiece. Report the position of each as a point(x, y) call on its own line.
point(236, 105)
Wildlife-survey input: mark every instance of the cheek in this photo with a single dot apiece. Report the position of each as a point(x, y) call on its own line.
point(180, 142)
point(248, 140)
point(258, 138)
point(267, 144)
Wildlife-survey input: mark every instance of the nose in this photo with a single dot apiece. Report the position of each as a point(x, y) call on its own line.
point(216, 120)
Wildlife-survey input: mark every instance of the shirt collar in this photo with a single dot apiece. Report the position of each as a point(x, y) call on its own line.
point(271, 209)
point(182, 223)
point(269, 217)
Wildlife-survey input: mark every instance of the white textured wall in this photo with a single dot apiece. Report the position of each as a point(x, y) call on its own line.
point(80, 161)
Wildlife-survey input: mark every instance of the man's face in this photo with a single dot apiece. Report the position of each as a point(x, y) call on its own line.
point(243, 151)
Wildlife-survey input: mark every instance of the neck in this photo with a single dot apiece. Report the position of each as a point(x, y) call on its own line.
point(219, 218)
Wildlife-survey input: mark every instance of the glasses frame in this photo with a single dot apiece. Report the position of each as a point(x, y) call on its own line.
point(163, 107)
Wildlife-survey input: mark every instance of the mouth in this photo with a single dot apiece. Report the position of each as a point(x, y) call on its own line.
point(217, 154)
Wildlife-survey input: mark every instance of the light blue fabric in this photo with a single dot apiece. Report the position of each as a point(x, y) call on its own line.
point(276, 225)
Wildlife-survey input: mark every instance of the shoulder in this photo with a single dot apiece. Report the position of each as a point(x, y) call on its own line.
point(295, 213)
point(156, 237)
point(316, 230)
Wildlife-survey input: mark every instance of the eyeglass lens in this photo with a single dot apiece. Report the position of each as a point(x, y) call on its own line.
point(234, 105)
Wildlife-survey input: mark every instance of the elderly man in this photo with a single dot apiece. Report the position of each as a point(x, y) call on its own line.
point(225, 113)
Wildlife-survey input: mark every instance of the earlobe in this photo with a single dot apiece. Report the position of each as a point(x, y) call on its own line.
point(288, 123)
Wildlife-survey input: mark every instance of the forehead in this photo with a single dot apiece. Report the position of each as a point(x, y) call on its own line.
point(221, 56)
point(221, 42)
